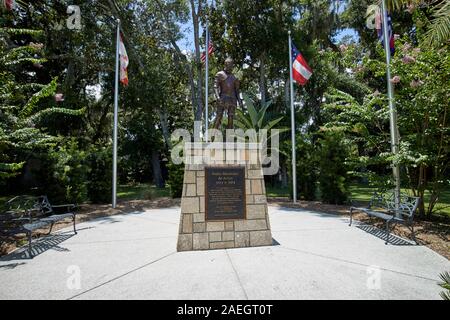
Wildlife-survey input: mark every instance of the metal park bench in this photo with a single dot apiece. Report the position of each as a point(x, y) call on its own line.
point(25, 214)
point(383, 206)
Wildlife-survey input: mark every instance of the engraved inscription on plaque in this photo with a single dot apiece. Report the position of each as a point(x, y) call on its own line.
point(225, 193)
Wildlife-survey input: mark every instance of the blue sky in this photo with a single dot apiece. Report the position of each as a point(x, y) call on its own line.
point(347, 32)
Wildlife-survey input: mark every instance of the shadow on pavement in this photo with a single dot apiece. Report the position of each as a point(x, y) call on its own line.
point(381, 234)
point(38, 247)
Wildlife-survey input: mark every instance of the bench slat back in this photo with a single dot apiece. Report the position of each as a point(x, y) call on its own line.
point(407, 207)
point(44, 206)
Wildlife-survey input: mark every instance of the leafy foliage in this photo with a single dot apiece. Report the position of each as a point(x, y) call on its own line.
point(175, 181)
point(340, 114)
point(25, 103)
point(445, 285)
point(65, 173)
point(100, 175)
point(438, 32)
point(306, 166)
point(333, 178)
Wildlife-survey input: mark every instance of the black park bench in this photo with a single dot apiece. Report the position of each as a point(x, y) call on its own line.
point(25, 214)
point(382, 206)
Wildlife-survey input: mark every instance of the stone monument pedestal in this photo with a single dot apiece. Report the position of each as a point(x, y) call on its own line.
point(224, 202)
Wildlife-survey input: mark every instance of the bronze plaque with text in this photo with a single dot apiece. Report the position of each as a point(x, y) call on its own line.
point(225, 193)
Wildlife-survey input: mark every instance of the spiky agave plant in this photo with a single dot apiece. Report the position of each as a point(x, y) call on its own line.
point(445, 277)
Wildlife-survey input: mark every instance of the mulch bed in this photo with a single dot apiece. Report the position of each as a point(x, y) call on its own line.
point(434, 235)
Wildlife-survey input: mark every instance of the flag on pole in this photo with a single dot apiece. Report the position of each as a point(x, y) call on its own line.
point(210, 52)
point(123, 63)
point(9, 4)
point(300, 68)
point(379, 27)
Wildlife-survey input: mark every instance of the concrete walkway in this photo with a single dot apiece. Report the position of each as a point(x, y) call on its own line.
point(133, 256)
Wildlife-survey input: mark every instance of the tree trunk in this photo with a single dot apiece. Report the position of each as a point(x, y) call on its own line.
point(196, 101)
point(284, 176)
point(196, 25)
point(156, 166)
point(262, 78)
point(165, 128)
point(421, 190)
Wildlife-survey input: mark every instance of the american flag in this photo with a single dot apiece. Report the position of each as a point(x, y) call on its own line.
point(210, 52)
point(379, 27)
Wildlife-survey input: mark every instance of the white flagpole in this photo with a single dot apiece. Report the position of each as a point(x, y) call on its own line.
point(291, 79)
point(207, 82)
point(392, 108)
point(116, 121)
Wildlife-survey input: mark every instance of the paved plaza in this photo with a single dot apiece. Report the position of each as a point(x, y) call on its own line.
point(133, 256)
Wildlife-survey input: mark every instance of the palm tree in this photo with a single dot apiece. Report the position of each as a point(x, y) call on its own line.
point(439, 28)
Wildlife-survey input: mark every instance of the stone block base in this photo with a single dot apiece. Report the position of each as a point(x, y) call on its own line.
point(196, 233)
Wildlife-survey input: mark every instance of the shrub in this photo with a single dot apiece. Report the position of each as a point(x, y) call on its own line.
point(99, 185)
point(333, 178)
point(63, 173)
point(175, 182)
point(306, 169)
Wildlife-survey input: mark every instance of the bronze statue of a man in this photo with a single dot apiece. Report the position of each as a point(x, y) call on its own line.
point(227, 92)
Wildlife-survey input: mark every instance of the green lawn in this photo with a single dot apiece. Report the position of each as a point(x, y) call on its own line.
point(124, 192)
point(359, 193)
point(363, 193)
point(141, 191)
point(277, 192)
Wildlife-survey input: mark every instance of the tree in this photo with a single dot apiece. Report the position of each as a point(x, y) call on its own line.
point(438, 24)
point(25, 103)
point(253, 33)
point(169, 14)
point(422, 97)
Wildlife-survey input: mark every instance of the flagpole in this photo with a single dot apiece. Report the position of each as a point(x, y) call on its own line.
point(207, 81)
point(291, 80)
point(116, 121)
point(392, 108)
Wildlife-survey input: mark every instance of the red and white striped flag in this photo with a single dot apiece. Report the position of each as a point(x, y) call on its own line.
point(9, 4)
point(301, 70)
point(123, 63)
point(210, 52)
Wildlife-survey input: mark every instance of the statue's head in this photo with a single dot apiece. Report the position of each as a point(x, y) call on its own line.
point(229, 65)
